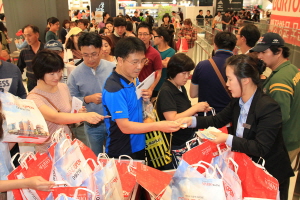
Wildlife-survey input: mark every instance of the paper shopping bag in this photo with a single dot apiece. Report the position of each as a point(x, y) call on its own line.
point(184, 45)
point(23, 120)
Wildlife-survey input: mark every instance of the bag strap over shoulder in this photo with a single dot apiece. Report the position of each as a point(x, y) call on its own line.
point(47, 100)
point(212, 62)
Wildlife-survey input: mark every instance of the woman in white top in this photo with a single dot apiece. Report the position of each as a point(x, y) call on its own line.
point(106, 50)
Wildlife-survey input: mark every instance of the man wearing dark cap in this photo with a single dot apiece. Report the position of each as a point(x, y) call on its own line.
point(119, 30)
point(282, 85)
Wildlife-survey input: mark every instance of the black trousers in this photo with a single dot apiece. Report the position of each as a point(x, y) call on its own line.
point(284, 189)
point(31, 83)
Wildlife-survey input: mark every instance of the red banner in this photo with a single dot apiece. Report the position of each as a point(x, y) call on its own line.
point(286, 26)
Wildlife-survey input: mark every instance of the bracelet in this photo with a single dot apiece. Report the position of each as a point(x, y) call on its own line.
point(84, 100)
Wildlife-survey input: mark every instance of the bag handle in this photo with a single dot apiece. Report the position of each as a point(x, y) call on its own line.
point(62, 195)
point(212, 62)
point(207, 174)
point(236, 166)
point(213, 111)
point(47, 100)
point(130, 162)
point(94, 163)
point(219, 170)
point(90, 191)
point(62, 144)
point(12, 160)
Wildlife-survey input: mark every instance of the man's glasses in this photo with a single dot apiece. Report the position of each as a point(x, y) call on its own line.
point(92, 56)
point(136, 62)
point(143, 34)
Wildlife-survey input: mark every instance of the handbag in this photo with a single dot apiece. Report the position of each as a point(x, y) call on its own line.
point(213, 64)
point(158, 148)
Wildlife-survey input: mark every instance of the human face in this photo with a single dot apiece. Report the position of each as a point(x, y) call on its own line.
point(53, 78)
point(81, 26)
point(269, 58)
point(106, 32)
point(239, 37)
point(67, 25)
point(54, 27)
point(157, 39)
point(208, 13)
point(106, 16)
point(106, 48)
point(30, 36)
point(166, 20)
point(233, 83)
point(90, 55)
point(144, 35)
point(110, 27)
point(131, 66)
point(75, 38)
point(187, 26)
point(120, 30)
point(181, 78)
point(219, 13)
point(201, 13)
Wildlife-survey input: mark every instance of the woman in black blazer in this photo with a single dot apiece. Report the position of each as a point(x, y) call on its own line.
point(255, 117)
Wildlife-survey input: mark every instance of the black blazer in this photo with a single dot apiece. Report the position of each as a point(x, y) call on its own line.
point(263, 137)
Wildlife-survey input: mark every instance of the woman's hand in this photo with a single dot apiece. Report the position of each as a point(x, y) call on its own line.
point(93, 118)
point(82, 110)
point(168, 126)
point(39, 183)
point(220, 137)
point(202, 107)
point(165, 62)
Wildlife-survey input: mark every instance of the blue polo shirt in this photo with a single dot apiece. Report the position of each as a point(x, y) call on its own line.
point(210, 88)
point(119, 100)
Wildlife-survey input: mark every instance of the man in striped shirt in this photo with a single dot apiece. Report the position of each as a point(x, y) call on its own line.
point(31, 34)
point(283, 86)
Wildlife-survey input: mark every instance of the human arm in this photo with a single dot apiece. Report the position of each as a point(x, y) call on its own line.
point(21, 62)
point(194, 90)
point(129, 127)
point(21, 46)
point(36, 183)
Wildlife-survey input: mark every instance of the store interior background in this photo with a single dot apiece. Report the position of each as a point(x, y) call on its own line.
point(22, 12)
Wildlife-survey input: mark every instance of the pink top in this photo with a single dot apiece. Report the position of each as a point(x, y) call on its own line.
point(61, 99)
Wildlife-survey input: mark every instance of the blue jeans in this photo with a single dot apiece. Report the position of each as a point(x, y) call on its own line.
point(96, 136)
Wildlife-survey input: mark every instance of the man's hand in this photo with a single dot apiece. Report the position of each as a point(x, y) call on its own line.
point(146, 94)
point(168, 126)
point(184, 120)
point(95, 98)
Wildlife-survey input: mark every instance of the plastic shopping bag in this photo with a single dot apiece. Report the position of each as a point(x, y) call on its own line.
point(23, 120)
point(108, 181)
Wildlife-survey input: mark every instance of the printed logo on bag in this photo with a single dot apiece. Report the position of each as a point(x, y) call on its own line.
point(210, 184)
point(206, 150)
point(271, 185)
point(228, 189)
point(44, 164)
point(73, 169)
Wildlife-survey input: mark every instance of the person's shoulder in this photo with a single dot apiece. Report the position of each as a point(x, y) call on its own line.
point(203, 63)
point(107, 63)
point(113, 83)
point(10, 66)
point(153, 51)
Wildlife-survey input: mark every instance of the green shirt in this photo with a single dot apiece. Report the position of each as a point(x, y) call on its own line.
point(284, 87)
point(50, 36)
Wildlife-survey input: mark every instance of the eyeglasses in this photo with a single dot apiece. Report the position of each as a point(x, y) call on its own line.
point(143, 34)
point(93, 55)
point(142, 62)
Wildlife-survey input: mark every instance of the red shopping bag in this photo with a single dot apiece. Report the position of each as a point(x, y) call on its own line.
point(184, 45)
point(204, 152)
point(178, 44)
point(256, 181)
point(152, 180)
point(70, 192)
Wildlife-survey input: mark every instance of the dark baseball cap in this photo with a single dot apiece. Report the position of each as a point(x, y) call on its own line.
point(267, 40)
point(54, 45)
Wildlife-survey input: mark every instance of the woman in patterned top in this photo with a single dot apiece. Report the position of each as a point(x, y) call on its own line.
point(188, 32)
point(53, 97)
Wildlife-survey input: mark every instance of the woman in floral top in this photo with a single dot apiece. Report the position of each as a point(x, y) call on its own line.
point(188, 32)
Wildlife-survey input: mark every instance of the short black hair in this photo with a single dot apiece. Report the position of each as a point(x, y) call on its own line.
point(2, 15)
point(208, 11)
point(84, 21)
point(144, 25)
point(90, 39)
point(173, 12)
point(146, 12)
point(101, 31)
point(46, 61)
point(251, 33)
point(53, 20)
point(35, 29)
point(104, 14)
point(200, 10)
point(141, 14)
point(119, 21)
point(225, 40)
point(166, 15)
point(178, 63)
point(129, 45)
point(285, 50)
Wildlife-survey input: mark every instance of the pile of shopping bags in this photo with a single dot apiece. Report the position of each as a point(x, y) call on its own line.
point(206, 171)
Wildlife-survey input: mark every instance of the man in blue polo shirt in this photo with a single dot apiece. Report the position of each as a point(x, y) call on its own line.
point(206, 85)
point(126, 130)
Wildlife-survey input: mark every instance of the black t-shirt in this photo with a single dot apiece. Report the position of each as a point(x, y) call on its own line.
point(170, 98)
